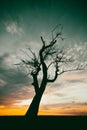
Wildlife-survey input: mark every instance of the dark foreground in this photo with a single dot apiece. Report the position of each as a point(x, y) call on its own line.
point(43, 122)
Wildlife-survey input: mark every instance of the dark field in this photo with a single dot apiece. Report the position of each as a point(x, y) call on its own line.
point(43, 122)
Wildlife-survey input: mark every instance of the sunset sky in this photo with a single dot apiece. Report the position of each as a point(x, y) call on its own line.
point(21, 25)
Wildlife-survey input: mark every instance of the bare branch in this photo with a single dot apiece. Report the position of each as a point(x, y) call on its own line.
point(32, 53)
point(27, 54)
point(42, 41)
point(50, 45)
point(70, 70)
point(61, 28)
point(55, 77)
point(51, 64)
point(49, 52)
point(56, 72)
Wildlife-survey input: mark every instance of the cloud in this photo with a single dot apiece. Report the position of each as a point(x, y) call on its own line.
point(73, 108)
point(70, 87)
point(13, 84)
point(2, 83)
point(78, 51)
point(13, 28)
point(77, 81)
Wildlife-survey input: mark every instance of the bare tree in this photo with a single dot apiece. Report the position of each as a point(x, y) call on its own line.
point(48, 57)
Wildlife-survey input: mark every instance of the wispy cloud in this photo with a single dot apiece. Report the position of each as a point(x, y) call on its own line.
point(78, 51)
point(13, 28)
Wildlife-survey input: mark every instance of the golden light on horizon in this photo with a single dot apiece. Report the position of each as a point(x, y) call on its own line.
point(47, 110)
point(13, 111)
point(67, 110)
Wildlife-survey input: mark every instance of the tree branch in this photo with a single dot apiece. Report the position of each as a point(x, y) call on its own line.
point(43, 41)
point(61, 28)
point(50, 45)
point(55, 77)
point(70, 70)
point(56, 73)
point(27, 54)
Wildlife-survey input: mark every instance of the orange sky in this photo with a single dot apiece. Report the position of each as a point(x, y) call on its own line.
point(61, 109)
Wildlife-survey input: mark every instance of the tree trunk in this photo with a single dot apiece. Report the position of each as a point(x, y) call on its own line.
point(34, 106)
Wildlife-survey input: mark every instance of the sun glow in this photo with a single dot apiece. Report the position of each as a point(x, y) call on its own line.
point(23, 102)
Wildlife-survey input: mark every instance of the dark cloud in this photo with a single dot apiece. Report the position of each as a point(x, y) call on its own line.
point(13, 84)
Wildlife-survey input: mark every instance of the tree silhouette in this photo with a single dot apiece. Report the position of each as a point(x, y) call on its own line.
point(48, 57)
